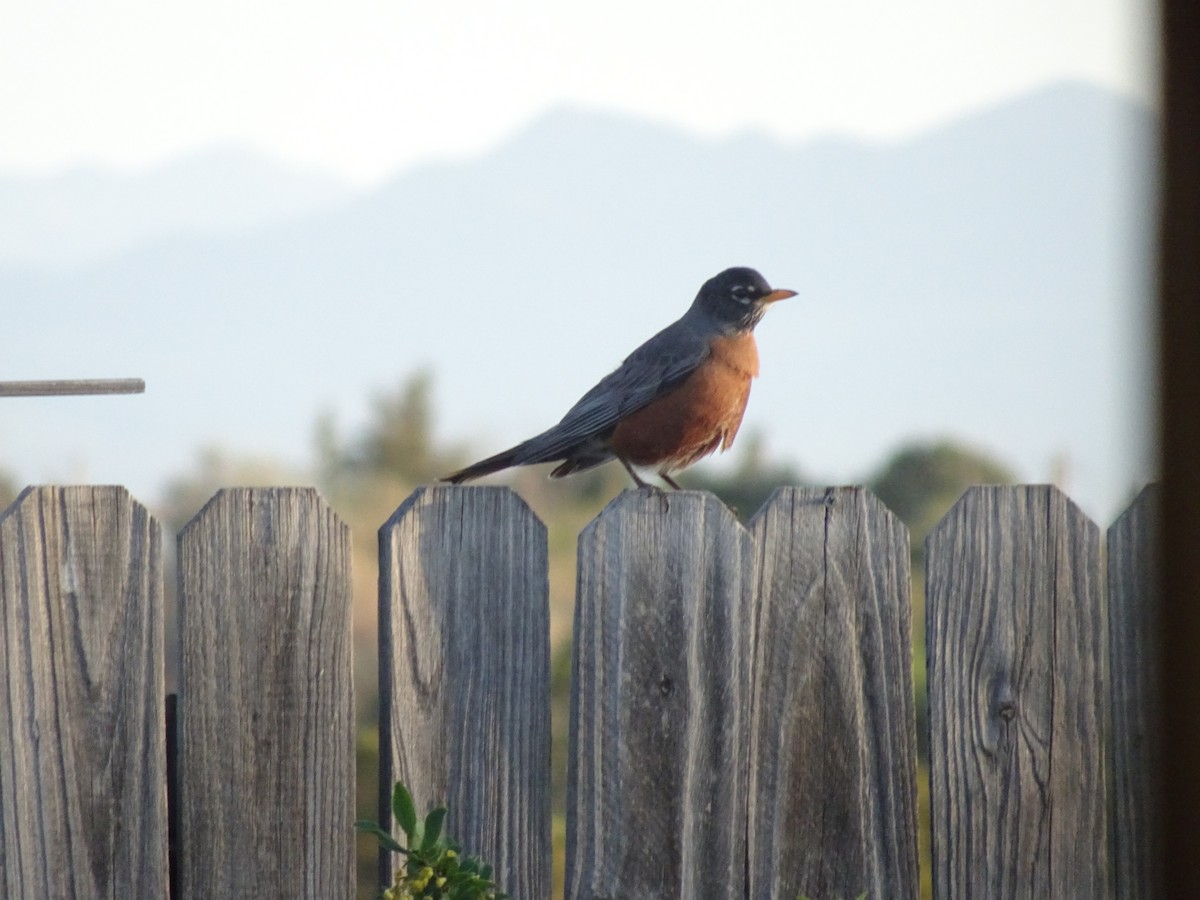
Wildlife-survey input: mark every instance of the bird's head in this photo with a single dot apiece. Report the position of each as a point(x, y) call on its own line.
point(737, 298)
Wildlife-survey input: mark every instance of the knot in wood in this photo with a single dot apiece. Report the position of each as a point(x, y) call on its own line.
point(666, 686)
point(1003, 702)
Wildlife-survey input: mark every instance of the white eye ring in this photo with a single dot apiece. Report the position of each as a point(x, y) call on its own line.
point(741, 295)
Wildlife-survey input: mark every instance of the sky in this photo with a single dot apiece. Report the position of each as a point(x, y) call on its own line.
point(364, 89)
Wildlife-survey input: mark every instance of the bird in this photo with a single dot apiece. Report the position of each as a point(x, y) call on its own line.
point(673, 401)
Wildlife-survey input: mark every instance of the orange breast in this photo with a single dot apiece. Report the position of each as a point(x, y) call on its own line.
point(695, 418)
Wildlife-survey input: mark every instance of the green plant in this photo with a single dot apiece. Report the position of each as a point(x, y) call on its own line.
point(434, 865)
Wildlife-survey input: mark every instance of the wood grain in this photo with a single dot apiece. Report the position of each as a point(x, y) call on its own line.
point(1017, 643)
point(832, 795)
point(1134, 592)
point(265, 710)
point(660, 705)
point(83, 805)
point(465, 673)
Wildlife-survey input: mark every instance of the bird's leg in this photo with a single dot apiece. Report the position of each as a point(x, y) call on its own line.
point(669, 480)
point(632, 473)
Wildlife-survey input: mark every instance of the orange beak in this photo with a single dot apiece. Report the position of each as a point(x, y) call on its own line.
point(776, 296)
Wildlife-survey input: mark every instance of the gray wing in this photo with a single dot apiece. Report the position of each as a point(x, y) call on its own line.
point(648, 372)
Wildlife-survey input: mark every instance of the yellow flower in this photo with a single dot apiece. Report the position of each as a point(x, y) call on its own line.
point(421, 880)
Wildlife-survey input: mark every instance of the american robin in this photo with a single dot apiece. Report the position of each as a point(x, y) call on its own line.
point(673, 401)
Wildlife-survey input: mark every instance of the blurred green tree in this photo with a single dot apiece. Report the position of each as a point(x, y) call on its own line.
point(394, 451)
point(921, 481)
point(398, 440)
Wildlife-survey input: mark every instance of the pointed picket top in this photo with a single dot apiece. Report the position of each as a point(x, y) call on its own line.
point(655, 501)
point(1016, 649)
point(266, 704)
point(660, 700)
point(833, 744)
point(491, 500)
point(83, 806)
point(464, 655)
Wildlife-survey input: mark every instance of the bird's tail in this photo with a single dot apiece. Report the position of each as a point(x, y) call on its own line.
point(485, 466)
point(549, 446)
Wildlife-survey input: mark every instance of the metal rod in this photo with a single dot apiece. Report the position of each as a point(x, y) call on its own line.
point(72, 387)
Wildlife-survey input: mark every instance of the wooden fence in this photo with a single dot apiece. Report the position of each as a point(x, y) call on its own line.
point(742, 709)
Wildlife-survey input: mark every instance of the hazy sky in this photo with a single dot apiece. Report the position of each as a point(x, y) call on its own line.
point(364, 88)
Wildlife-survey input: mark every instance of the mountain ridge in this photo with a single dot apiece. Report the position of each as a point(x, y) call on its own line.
point(89, 213)
point(983, 281)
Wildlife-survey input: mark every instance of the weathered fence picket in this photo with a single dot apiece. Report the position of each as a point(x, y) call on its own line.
point(83, 795)
point(464, 630)
point(1017, 639)
point(1133, 630)
point(660, 701)
point(742, 719)
point(266, 706)
point(833, 762)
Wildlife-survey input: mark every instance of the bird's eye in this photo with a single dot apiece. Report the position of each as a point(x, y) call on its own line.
point(741, 294)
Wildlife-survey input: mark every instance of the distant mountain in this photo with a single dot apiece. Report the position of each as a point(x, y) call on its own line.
point(86, 215)
point(986, 280)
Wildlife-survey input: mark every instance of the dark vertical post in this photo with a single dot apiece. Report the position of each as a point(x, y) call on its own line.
point(1179, 340)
